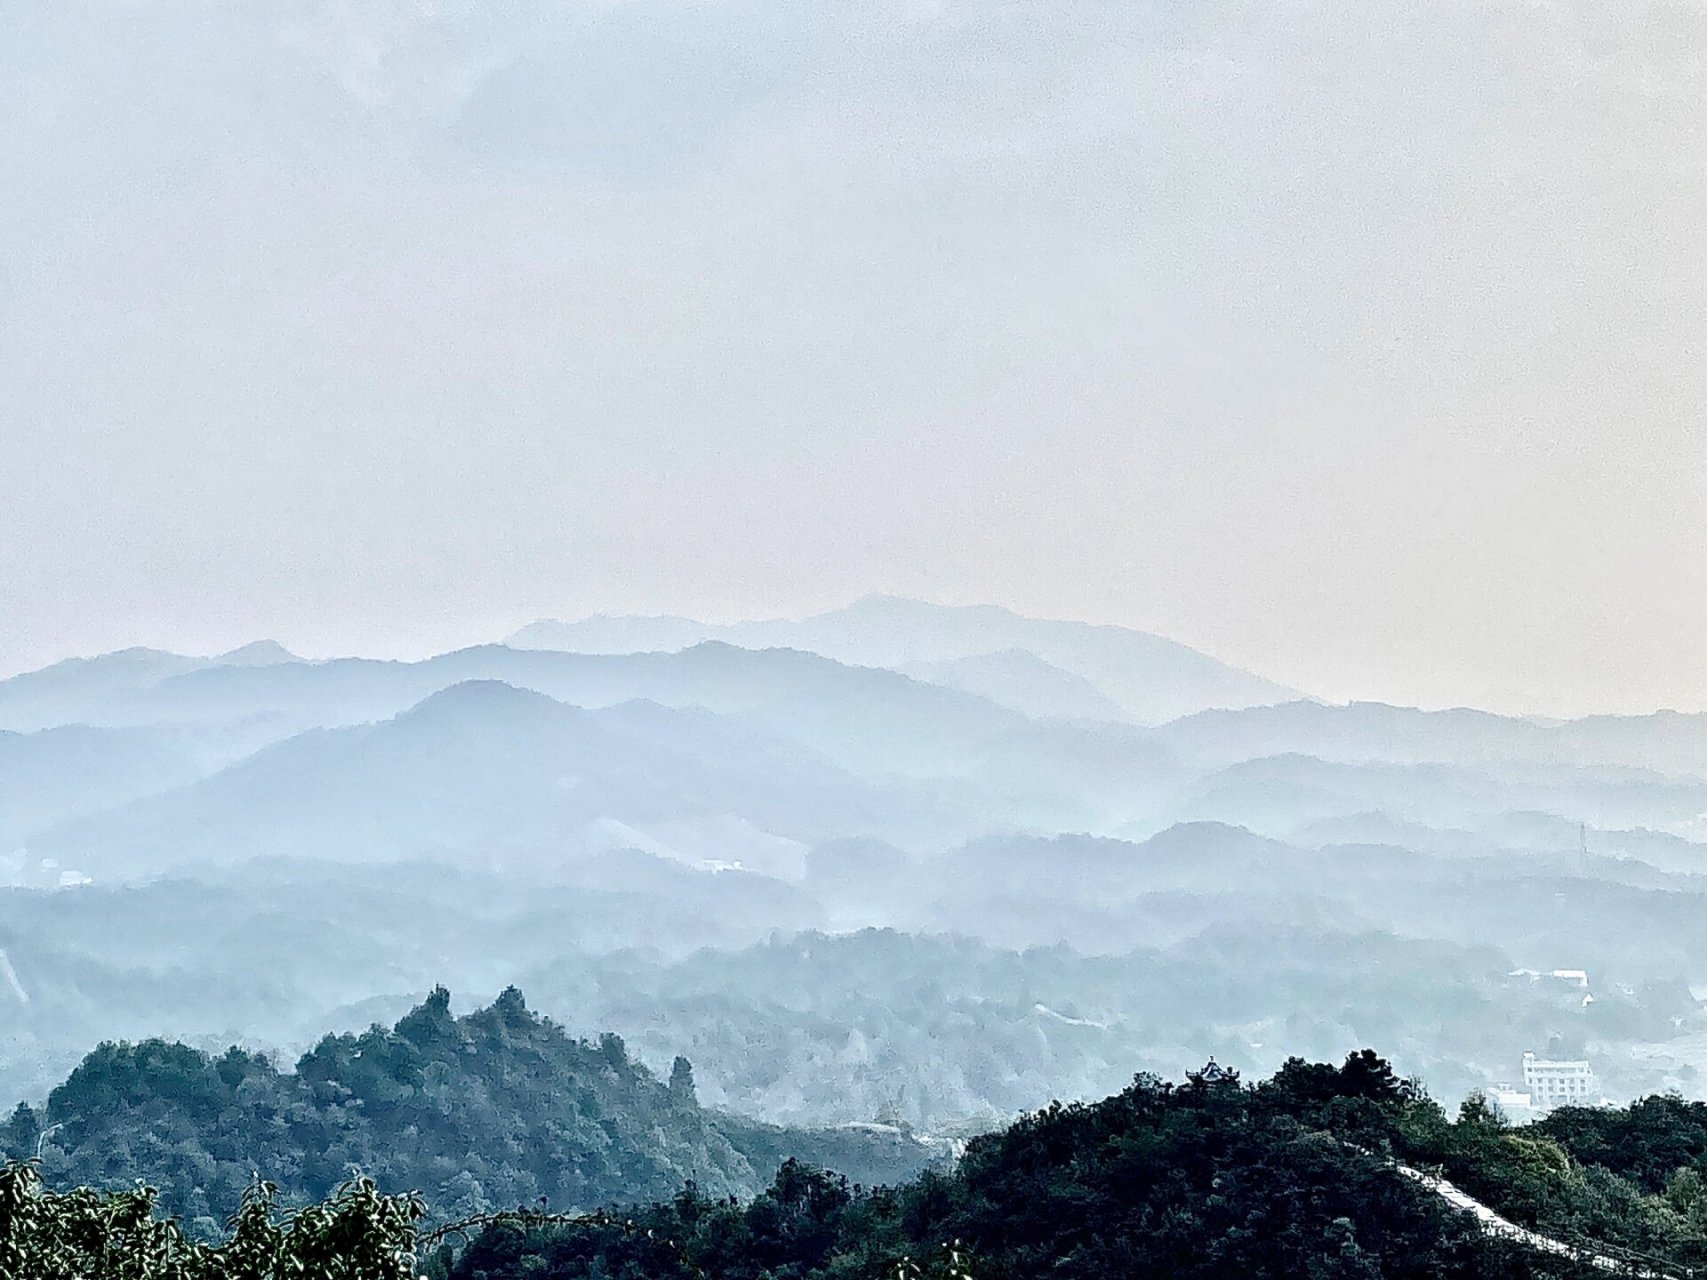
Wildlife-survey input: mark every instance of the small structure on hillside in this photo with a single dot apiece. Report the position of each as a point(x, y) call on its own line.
point(1562, 977)
point(1213, 1073)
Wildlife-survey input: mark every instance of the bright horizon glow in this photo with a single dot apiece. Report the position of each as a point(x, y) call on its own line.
point(1357, 347)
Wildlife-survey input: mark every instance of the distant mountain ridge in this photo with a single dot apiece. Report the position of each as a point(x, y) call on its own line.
point(1664, 742)
point(1150, 678)
point(480, 770)
point(1020, 679)
point(721, 753)
point(68, 691)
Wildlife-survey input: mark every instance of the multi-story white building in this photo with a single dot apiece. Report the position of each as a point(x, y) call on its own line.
point(1552, 1083)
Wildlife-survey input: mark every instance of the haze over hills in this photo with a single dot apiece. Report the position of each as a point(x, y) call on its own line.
point(55, 774)
point(685, 842)
point(1151, 679)
point(486, 772)
point(894, 731)
point(1271, 429)
point(712, 674)
point(1023, 681)
point(75, 690)
point(1284, 794)
point(1659, 741)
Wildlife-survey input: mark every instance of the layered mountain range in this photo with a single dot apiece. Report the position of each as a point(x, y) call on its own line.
point(259, 847)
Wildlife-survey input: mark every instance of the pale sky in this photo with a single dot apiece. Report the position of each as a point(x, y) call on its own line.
point(1356, 344)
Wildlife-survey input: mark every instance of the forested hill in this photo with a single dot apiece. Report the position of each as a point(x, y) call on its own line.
point(1326, 1172)
point(1296, 1177)
point(496, 1109)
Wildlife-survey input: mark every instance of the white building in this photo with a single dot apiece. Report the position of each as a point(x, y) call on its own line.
point(1565, 977)
point(1515, 1106)
point(1551, 1083)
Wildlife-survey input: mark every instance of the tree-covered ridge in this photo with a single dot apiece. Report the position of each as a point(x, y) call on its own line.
point(1296, 1176)
point(492, 1110)
point(1650, 1142)
point(1315, 1172)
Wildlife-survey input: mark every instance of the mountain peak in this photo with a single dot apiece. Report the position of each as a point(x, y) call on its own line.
point(481, 697)
point(257, 653)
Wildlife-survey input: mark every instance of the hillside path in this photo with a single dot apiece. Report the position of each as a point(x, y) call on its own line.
point(1628, 1264)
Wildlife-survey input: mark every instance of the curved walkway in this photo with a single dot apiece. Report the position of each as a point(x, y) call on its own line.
point(1601, 1257)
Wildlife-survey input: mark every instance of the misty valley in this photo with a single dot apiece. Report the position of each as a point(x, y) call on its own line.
point(614, 908)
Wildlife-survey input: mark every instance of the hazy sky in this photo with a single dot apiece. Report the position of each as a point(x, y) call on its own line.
point(1358, 344)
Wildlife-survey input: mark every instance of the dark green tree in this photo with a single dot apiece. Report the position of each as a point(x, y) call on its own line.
point(75, 1235)
point(681, 1080)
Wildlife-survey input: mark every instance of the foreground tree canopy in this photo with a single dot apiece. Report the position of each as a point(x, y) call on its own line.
point(1198, 1181)
point(83, 1234)
point(1294, 1176)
